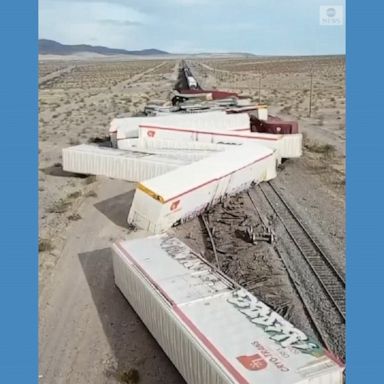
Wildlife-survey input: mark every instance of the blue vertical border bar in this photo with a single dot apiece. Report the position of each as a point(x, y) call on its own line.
point(365, 191)
point(18, 191)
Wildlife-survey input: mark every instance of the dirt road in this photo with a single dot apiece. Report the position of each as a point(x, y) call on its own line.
point(88, 331)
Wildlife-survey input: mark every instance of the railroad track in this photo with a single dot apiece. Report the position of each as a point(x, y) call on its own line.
point(301, 238)
point(210, 235)
point(330, 279)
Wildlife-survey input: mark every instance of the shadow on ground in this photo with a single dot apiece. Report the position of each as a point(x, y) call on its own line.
point(117, 208)
point(133, 346)
point(57, 170)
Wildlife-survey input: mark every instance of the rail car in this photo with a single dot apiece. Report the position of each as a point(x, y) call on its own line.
point(191, 81)
point(181, 194)
point(232, 129)
point(128, 127)
point(273, 124)
point(213, 330)
point(182, 95)
point(131, 164)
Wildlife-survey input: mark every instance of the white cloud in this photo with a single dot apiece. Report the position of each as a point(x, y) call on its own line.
point(79, 22)
point(259, 26)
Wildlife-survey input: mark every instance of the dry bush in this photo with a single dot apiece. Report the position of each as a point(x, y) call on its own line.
point(74, 217)
point(59, 206)
point(91, 194)
point(73, 141)
point(324, 149)
point(130, 377)
point(45, 245)
point(90, 179)
point(74, 195)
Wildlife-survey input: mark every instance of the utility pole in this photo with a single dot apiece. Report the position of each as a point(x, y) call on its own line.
point(310, 92)
point(260, 88)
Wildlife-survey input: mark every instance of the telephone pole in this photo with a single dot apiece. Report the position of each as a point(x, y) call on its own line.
point(310, 92)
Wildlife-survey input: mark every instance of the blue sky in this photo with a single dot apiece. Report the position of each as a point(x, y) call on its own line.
point(275, 27)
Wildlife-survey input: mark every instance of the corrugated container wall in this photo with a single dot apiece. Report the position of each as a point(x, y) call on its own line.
point(184, 193)
point(213, 331)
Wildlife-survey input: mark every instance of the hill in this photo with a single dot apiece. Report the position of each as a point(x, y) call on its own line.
point(51, 47)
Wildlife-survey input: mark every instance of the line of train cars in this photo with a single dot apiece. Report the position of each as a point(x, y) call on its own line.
point(202, 99)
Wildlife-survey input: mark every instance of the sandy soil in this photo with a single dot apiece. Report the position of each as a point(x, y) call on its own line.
point(76, 106)
point(88, 332)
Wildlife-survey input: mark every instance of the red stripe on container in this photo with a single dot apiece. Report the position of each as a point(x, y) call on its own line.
point(210, 346)
point(212, 180)
point(210, 133)
point(145, 273)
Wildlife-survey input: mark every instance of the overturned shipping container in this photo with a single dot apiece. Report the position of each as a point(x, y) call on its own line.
point(206, 121)
point(132, 165)
point(190, 151)
point(128, 127)
point(287, 146)
point(213, 331)
point(184, 193)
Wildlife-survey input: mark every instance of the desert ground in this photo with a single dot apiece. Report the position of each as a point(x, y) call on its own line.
point(88, 331)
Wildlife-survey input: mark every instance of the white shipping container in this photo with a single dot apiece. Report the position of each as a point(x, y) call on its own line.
point(244, 102)
point(292, 145)
point(213, 331)
point(184, 193)
point(287, 146)
point(174, 144)
point(191, 82)
point(262, 112)
point(133, 165)
point(128, 127)
point(207, 121)
point(188, 154)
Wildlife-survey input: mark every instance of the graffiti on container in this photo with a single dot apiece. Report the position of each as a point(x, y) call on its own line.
point(278, 329)
point(200, 270)
point(151, 133)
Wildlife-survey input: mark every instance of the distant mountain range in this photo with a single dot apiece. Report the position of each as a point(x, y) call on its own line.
point(51, 47)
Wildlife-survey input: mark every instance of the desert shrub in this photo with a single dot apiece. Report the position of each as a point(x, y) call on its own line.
point(74, 195)
point(130, 377)
point(91, 194)
point(59, 206)
point(73, 141)
point(74, 217)
point(45, 245)
point(90, 179)
point(325, 149)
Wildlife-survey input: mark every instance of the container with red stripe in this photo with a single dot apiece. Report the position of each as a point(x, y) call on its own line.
point(200, 185)
point(212, 330)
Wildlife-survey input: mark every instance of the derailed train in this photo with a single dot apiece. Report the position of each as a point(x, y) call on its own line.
point(184, 164)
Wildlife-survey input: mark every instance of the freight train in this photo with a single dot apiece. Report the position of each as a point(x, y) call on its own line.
point(191, 81)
